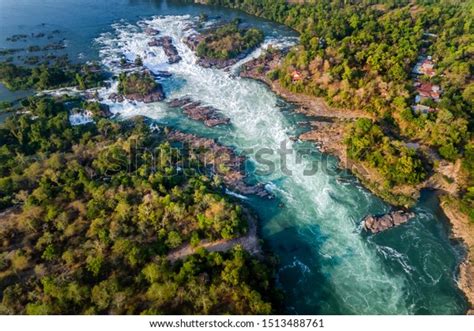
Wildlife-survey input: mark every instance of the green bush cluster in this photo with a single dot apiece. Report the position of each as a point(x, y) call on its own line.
point(136, 82)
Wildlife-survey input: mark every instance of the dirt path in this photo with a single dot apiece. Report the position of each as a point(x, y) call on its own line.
point(249, 242)
point(7, 218)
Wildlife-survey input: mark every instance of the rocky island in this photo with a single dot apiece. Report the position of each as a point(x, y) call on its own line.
point(138, 86)
point(223, 46)
point(381, 223)
point(220, 160)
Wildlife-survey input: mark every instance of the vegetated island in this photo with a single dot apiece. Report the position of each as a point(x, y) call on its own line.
point(138, 86)
point(394, 84)
point(223, 45)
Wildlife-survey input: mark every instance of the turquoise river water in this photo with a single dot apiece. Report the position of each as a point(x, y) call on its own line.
point(328, 265)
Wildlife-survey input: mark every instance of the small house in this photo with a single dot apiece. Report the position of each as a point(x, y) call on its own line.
point(427, 90)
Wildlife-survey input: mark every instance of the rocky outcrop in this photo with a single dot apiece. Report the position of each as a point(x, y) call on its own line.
point(115, 97)
point(223, 44)
point(193, 40)
point(175, 103)
point(195, 110)
point(154, 96)
point(155, 43)
point(463, 230)
point(219, 64)
point(102, 111)
point(259, 67)
point(162, 74)
point(377, 224)
point(151, 32)
point(138, 86)
point(221, 161)
point(170, 50)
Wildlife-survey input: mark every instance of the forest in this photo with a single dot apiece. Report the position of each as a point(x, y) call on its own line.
point(86, 230)
point(44, 77)
point(396, 162)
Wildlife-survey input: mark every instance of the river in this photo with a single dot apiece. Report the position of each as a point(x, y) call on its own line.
point(328, 265)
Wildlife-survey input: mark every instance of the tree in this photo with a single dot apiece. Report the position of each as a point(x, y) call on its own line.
point(174, 239)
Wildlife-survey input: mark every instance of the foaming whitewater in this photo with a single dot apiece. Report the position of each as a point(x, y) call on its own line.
point(324, 216)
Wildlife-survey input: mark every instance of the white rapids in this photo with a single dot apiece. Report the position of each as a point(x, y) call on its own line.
point(355, 273)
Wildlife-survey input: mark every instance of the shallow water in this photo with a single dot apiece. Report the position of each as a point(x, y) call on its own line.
point(327, 264)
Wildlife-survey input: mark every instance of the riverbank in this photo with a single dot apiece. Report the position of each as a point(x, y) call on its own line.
point(463, 230)
point(328, 133)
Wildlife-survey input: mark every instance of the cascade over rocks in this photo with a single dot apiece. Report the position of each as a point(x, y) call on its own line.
point(170, 50)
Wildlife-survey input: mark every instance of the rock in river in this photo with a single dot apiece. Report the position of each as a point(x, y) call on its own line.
point(155, 95)
point(170, 50)
point(377, 224)
point(210, 116)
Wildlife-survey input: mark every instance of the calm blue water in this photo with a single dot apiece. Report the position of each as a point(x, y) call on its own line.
point(327, 264)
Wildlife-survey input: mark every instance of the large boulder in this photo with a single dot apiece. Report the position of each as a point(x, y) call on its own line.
point(381, 223)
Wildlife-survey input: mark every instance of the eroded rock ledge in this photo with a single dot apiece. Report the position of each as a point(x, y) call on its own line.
point(195, 110)
point(221, 160)
point(376, 224)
